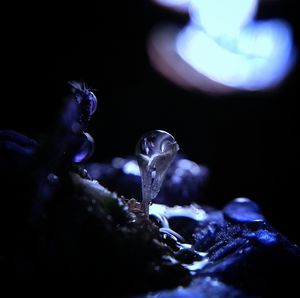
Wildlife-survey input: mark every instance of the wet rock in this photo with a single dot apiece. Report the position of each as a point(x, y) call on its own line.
point(243, 210)
point(257, 260)
point(68, 229)
point(200, 288)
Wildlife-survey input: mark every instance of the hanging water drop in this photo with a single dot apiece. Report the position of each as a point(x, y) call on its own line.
point(86, 150)
point(86, 100)
point(155, 152)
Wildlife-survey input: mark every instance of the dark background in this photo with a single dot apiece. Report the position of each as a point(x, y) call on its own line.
point(248, 140)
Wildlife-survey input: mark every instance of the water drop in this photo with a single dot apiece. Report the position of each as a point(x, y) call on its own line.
point(53, 179)
point(86, 149)
point(243, 210)
point(87, 101)
point(155, 152)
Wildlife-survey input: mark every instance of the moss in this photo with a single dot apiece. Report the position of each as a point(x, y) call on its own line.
point(92, 235)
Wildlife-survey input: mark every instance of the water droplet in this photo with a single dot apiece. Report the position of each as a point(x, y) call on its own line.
point(155, 152)
point(53, 179)
point(87, 101)
point(243, 210)
point(92, 102)
point(86, 149)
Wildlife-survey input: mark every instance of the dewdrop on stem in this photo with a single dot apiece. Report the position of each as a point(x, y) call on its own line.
point(155, 152)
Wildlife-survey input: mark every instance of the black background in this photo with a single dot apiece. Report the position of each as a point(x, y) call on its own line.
point(248, 140)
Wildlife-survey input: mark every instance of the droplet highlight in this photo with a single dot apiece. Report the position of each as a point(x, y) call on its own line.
point(155, 152)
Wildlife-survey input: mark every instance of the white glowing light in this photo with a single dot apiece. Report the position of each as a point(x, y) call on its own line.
point(192, 211)
point(131, 168)
point(242, 200)
point(256, 57)
point(224, 48)
point(222, 17)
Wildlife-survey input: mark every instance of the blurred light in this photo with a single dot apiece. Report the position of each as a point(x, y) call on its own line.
point(118, 162)
point(131, 168)
point(187, 165)
point(128, 166)
point(258, 57)
point(223, 49)
point(222, 17)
